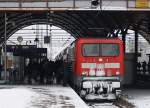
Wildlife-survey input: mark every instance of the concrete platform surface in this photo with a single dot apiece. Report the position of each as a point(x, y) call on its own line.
point(140, 98)
point(39, 97)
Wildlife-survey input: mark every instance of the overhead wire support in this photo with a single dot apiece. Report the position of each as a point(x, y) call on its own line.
point(5, 52)
point(136, 31)
point(100, 4)
point(74, 3)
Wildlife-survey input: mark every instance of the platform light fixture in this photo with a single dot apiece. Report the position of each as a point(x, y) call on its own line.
point(95, 2)
point(36, 40)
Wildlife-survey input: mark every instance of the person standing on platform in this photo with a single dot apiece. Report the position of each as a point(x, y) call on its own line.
point(144, 67)
point(138, 66)
point(0, 70)
point(66, 71)
point(148, 68)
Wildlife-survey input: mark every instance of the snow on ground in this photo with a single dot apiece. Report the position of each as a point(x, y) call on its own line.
point(57, 97)
point(39, 97)
point(139, 97)
point(15, 97)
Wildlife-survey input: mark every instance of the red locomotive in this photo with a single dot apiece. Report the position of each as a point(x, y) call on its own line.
point(97, 67)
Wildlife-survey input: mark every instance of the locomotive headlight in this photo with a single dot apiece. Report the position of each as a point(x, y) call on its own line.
point(117, 73)
point(84, 73)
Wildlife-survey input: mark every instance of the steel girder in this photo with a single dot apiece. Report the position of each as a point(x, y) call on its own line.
point(77, 23)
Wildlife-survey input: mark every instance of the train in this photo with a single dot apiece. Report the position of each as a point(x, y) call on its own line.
point(96, 67)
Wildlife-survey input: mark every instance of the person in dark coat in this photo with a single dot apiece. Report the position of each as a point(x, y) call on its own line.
point(46, 70)
point(34, 71)
point(59, 70)
point(148, 67)
point(66, 71)
point(50, 71)
point(0, 70)
point(42, 71)
point(139, 66)
point(29, 71)
point(144, 67)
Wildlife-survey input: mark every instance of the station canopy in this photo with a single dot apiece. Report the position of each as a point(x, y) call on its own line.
point(78, 23)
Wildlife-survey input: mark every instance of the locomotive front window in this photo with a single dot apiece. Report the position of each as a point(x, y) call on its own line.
point(109, 50)
point(90, 49)
point(102, 49)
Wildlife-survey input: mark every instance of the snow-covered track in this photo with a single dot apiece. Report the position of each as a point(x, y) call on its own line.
point(102, 105)
point(123, 103)
point(120, 103)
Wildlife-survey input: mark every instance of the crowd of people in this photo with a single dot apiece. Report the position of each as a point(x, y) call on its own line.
point(46, 72)
point(143, 70)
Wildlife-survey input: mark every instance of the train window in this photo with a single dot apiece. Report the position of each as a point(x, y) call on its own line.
point(102, 49)
point(90, 49)
point(112, 50)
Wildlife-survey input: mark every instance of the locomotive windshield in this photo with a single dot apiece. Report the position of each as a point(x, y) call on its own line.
point(102, 49)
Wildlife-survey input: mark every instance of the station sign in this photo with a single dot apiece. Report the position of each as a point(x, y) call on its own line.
point(46, 39)
point(142, 3)
point(13, 48)
point(31, 52)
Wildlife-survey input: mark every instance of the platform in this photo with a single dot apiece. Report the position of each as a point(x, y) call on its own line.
point(140, 98)
point(39, 97)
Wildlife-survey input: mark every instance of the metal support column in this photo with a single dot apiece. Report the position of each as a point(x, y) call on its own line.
point(136, 50)
point(124, 32)
point(101, 4)
point(47, 3)
point(124, 41)
point(74, 3)
point(5, 53)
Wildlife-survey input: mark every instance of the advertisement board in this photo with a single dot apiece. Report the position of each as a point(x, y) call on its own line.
point(142, 3)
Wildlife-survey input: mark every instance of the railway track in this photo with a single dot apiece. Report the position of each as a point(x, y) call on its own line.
point(120, 103)
point(102, 105)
